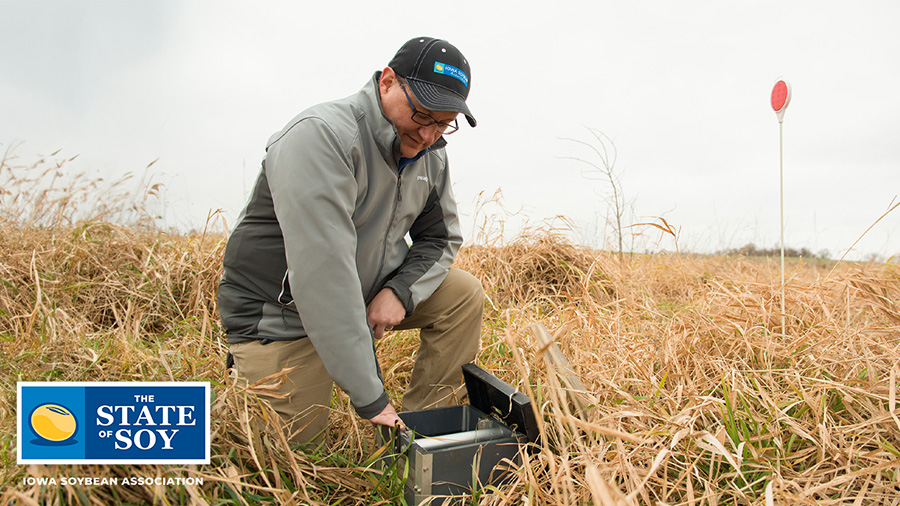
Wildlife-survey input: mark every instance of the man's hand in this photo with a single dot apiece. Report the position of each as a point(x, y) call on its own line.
point(384, 312)
point(388, 416)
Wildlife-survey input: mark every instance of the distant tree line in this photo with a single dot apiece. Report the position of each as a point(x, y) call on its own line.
point(752, 250)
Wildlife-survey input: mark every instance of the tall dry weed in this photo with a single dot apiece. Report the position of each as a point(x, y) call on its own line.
point(48, 192)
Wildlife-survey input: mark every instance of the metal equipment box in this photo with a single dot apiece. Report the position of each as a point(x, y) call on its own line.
point(455, 450)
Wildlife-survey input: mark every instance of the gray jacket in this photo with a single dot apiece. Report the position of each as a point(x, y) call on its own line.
point(325, 230)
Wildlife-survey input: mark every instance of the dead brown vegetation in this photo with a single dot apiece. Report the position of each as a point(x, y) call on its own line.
point(696, 391)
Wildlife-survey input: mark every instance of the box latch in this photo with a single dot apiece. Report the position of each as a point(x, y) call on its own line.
point(492, 396)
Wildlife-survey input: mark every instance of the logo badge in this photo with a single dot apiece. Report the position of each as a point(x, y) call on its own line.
point(450, 70)
point(113, 423)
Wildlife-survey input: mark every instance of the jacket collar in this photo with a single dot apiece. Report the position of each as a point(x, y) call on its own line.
point(382, 128)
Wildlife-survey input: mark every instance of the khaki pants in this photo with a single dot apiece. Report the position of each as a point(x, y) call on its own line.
point(450, 323)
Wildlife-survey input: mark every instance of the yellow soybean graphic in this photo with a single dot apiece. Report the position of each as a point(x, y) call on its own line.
point(53, 422)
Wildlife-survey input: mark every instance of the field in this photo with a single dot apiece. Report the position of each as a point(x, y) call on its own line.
point(698, 390)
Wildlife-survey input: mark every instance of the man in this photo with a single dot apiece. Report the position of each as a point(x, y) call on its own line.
point(318, 266)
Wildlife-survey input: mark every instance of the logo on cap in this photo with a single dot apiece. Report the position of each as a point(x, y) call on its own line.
point(450, 70)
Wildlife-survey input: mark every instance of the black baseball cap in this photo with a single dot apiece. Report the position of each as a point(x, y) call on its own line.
point(438, 74)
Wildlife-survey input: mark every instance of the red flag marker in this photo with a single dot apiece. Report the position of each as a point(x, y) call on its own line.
point(781, 97)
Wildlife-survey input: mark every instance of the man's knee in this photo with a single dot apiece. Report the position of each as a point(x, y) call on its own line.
point(466, 286)
point(298, 379)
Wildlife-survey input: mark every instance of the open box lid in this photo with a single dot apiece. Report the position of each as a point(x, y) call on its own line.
point(491, 395)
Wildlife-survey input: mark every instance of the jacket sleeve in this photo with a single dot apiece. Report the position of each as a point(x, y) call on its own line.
point(436, 238)
point(314, 191)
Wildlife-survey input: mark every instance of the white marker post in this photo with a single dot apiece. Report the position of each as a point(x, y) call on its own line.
point(781, 97)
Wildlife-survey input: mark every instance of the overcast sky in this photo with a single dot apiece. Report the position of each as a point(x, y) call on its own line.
point(681, 88)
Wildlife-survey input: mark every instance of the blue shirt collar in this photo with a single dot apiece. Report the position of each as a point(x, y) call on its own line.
point(406, 161)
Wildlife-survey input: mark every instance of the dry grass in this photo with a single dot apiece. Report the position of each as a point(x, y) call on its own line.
point(698, 394)
point(687, 357)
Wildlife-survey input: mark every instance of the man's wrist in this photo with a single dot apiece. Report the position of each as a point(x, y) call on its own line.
point(373, 409)
point(404, 295)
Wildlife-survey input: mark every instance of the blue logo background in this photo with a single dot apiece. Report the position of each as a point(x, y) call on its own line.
point(187, 442)
point(39, 448)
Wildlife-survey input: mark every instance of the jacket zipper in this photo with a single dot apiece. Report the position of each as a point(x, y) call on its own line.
point(387, 232)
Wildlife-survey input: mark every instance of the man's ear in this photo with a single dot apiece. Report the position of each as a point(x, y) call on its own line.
point(388, 78)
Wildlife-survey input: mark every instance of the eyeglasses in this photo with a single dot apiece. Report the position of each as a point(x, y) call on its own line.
point(424, 119)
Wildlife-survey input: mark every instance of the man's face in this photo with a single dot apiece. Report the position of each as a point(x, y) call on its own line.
point(413, 136)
